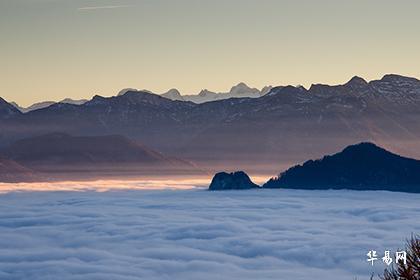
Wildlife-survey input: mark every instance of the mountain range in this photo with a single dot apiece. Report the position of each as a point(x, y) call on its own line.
point(240, 90)
point(283, 127)
point(45, 104)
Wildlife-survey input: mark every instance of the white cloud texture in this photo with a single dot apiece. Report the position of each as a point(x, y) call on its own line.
point(89, 8)
point(196, 234)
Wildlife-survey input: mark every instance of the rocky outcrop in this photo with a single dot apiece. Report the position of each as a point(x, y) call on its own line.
point(232, 181)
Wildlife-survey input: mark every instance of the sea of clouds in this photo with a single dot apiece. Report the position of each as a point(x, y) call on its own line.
point(197, 234)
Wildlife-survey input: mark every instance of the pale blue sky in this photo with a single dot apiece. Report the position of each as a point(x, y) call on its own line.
point(51, 49)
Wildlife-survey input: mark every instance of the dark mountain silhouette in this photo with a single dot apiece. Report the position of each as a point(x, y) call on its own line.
point(287, 125)
point(231, 181)
point(64, 152)
point(364, 166)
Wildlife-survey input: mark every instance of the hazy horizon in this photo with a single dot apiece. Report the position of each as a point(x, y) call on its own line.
point(195, 93)
point(274, 183)
point(53, 49)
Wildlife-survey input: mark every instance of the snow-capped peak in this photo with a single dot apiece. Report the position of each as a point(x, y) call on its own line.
point(243, 89)
point(173, 94)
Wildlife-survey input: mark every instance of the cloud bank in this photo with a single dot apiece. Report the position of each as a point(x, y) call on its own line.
point(195, 234)
point(89, 8)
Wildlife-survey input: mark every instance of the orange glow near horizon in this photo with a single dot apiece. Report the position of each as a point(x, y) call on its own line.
point(114, 185)
point(193, 45)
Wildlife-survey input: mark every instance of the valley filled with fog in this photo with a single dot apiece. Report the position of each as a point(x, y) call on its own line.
point(197, 234)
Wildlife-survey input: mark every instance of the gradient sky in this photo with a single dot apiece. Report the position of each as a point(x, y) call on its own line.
point(52, 49)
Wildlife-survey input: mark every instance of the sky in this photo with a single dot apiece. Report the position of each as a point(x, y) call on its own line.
point(53, 49)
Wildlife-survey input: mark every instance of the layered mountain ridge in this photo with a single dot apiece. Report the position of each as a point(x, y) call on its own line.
point(45, 104)
point(285, 126)
point(60, 155)
point(240, 90)
point(64, 149)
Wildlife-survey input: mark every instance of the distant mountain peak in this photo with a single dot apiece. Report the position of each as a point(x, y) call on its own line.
point(45, 104)
point(125, 90)
point(74, 101)
point(240, 85)
point(67, 100)
point(398, 78)
point(363, 146)
point(287, 89)
point(136, 97)
point(242, 89)
point(265, 90)
point(206, 92)
point(134, 93)
point(173, 94)
point(98, 97)
point(357, 81)
point(173, 91)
